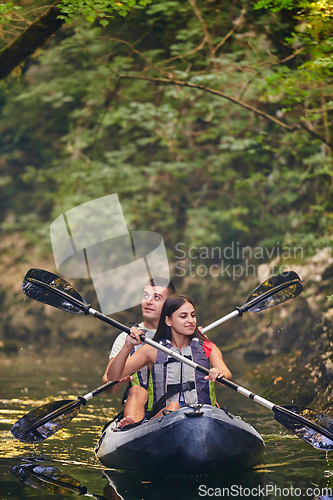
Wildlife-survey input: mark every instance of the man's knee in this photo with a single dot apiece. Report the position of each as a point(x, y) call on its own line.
point(136, 391)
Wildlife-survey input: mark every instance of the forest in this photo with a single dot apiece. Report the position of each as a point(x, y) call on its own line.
point(212, 121)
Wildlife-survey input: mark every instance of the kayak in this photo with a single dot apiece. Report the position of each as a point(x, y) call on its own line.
point(191, 440)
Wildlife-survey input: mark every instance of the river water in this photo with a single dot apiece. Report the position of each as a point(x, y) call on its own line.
point(290, 468)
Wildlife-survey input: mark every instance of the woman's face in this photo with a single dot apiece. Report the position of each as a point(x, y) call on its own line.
point(183, 321)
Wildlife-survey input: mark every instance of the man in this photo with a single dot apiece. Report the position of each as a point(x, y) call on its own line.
point(156, 291)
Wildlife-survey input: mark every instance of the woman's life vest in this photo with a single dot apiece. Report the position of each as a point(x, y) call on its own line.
point(171, 380)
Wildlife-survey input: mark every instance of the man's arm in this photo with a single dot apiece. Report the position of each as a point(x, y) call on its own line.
point(117, 345)
point(116, 387)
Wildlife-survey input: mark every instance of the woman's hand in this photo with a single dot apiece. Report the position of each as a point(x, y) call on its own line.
point(203, 334)
point(134, 337)
point(214, 373)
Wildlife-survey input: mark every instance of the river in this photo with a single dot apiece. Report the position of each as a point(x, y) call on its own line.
point(290, 468)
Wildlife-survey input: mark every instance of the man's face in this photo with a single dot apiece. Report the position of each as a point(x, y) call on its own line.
point(152, 303)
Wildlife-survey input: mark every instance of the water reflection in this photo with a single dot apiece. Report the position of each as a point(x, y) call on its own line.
point(51, 480)
point(25, 384)
point(255, 484)
point(138, 486)
point(124, 485)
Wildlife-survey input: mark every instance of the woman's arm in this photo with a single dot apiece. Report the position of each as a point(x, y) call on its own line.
point(123, 365)
point(218, 366)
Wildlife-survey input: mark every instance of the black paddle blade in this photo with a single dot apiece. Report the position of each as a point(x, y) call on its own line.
point(44, 421)
point(275, 290)
point(313, 437)
point(47, 479)
point(48, 288)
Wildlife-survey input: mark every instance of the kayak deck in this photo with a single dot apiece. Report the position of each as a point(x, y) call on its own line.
point(186, 441)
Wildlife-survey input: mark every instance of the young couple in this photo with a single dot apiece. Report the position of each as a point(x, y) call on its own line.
point(158, 378)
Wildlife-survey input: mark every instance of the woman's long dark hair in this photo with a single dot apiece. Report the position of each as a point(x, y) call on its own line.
point(172, 304)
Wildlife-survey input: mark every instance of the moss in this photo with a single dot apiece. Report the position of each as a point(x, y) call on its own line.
point(34, 37)
point(283, 380)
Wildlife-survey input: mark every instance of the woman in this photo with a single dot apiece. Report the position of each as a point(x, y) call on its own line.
point(173, 384)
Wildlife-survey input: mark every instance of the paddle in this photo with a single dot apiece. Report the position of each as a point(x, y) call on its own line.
point(50, 289)
point(273, 291)
point(47, 419)
point(51, 480)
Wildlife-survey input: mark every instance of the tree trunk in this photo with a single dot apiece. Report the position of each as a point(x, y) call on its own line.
point(29, 41)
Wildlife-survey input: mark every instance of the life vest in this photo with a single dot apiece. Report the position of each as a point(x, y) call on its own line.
point(171, 380)
point(141, 377)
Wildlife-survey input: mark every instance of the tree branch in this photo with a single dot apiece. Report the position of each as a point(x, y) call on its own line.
point(34, 37)
point(238, 22)
point(243, 104)
point(267, 66)
point(203, 25)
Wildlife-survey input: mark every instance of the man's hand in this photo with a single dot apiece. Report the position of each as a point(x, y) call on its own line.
point(116, 387)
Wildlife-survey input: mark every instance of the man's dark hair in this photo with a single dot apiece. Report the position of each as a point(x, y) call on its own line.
point(162, 282)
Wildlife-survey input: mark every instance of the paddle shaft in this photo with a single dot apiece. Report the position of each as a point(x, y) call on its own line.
point(221, 320)
point(248, 305)
point(258, 399)
point(70, 406)
point(245, 392)
point(237, 312)
point(87, 309)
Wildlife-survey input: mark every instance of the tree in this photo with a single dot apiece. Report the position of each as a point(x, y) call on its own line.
point(192, 112)
point(39, 31)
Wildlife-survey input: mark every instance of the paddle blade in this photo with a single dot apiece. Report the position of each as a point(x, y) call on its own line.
point(52, 417)
point(274, 291)
point(315, 438)
point(47, 479)
point(48, 288)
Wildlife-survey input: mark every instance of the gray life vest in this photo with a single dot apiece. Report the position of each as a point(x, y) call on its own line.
point(171, 380)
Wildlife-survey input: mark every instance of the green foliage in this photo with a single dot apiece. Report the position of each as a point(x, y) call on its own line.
point(276, 5)
point(101, 9)
point(186, 163)
point(7, 10)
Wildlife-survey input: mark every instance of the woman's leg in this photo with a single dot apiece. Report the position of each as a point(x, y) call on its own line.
point(174, 405)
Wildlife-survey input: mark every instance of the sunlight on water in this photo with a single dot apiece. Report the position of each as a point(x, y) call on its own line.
point(26, 383)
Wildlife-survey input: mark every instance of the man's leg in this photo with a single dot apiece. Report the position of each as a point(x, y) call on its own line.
point(134, 409)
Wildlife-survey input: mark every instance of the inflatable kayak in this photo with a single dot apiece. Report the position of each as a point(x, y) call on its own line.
point(187, 441)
